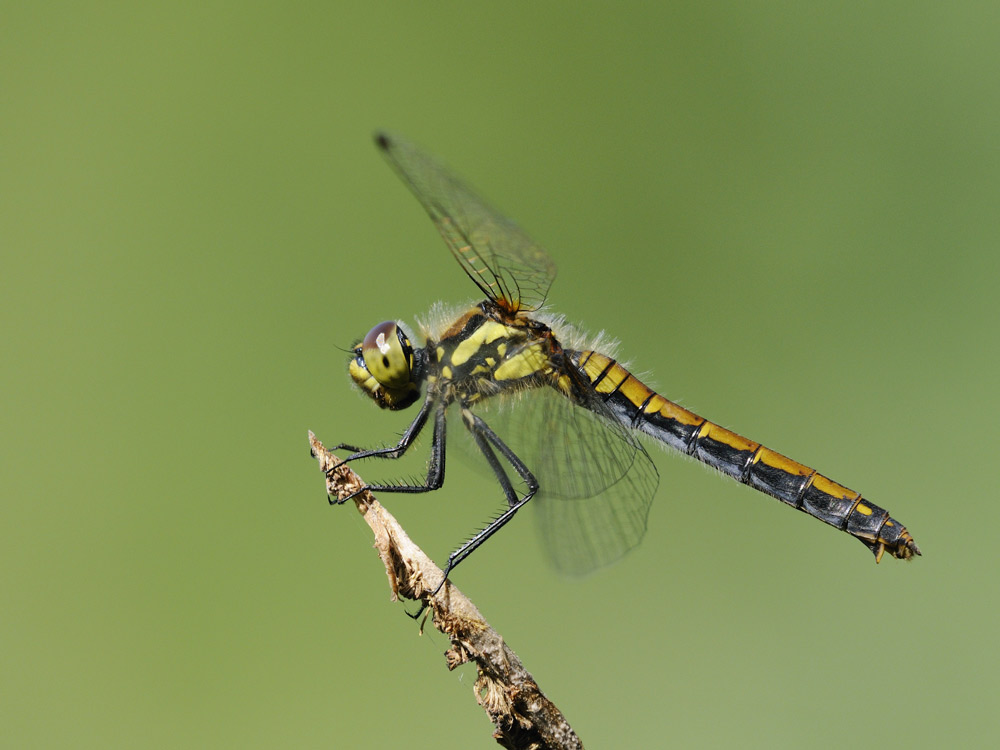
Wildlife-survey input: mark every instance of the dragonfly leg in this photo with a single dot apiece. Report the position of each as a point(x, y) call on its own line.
point(481, 430)
point(435, 466)
point(346, 447)
point(393, 451)
point(491, 458)
point(487, 440)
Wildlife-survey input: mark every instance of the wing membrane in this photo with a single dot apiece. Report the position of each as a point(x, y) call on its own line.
point(596, 480)
point(504, 262)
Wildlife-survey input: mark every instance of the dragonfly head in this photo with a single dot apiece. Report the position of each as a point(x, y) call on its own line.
point(384, 367)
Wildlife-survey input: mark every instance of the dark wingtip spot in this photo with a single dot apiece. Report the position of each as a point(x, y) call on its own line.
point(382, 141)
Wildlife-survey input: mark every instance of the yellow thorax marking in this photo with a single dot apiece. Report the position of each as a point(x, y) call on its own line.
point(527, 361)
point(487, 333)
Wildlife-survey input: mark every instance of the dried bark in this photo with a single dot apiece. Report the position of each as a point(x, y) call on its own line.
point(523, 717)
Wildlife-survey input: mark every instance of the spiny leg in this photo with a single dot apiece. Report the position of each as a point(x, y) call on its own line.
point(486, 439)
point(494, 462)
point(435, 466)
point(394, 451)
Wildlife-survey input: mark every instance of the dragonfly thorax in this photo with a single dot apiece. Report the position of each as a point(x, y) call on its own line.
point(486, 352)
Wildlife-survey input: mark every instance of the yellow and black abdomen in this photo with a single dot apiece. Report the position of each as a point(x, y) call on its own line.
point(641, 408)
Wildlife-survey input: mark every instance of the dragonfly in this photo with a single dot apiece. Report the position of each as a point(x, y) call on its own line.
point(555, 415)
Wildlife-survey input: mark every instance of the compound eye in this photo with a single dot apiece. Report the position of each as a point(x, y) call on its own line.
point(388, 355)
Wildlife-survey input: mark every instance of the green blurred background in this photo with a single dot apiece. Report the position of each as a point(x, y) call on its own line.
point(787, 213)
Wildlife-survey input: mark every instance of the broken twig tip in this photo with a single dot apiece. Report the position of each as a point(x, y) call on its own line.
point(522, 716)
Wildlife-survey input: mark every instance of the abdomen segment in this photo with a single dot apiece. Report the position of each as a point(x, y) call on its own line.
point(641, 408)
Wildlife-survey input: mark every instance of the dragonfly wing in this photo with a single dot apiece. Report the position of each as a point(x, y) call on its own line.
point(503, 261)
point(596, 481)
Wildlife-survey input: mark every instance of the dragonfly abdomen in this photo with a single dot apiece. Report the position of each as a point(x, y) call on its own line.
point(746, 461)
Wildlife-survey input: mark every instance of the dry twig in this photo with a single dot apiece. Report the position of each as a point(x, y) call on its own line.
point(522, 715)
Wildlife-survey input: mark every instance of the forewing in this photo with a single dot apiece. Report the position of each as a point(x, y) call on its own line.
point(504, 262)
